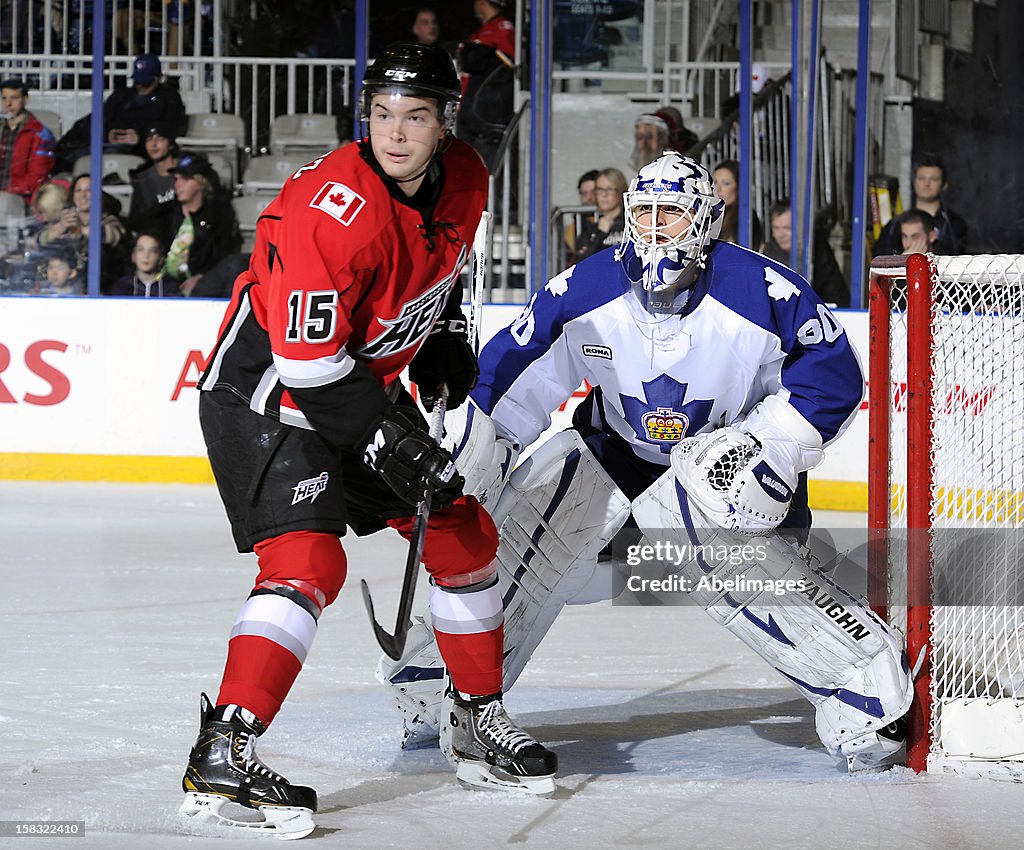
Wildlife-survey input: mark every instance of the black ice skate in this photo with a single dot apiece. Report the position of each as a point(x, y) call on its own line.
point(488, 750)
point(223, 767)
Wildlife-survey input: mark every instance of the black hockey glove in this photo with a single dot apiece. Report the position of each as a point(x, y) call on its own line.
point(409, 460)
point(445, 358)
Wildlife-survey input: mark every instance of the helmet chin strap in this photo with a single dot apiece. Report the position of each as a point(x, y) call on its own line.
point(663, 291)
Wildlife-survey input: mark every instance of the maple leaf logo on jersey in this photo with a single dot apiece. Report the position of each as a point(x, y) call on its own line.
point(661, 417)
point(416, 318)
point(339, 202)
point(779, 287)
point(559, 284)
point(310, 488)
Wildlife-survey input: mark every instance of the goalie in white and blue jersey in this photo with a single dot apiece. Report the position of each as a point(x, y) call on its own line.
point(719, 378)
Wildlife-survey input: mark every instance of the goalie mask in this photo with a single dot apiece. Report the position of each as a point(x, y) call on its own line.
point(672, 214)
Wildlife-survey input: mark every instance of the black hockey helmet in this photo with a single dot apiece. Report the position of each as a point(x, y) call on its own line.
point(419, 70)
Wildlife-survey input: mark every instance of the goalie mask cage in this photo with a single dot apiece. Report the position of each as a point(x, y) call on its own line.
point(946, 500)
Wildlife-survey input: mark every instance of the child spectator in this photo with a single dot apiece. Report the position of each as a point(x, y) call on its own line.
point(61, 276)
point(147, 278)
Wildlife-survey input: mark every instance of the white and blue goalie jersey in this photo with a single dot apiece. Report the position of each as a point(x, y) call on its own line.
point(751, 328)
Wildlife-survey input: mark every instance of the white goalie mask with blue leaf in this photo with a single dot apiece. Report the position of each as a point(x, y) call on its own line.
point(672, 214)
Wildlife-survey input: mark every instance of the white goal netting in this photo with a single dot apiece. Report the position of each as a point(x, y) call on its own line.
point(976, 507)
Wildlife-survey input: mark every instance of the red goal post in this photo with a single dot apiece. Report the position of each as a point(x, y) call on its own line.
point(946, 499)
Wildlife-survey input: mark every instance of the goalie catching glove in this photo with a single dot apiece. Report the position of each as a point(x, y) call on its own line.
point(729, 475)
point(411, 462)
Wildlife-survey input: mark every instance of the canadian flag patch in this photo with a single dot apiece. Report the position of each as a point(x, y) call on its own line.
point(339, 202)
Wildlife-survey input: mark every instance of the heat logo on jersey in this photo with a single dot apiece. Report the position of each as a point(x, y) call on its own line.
point(416, 319)
point(339, 202)
point(310, 488)
point(665, 425)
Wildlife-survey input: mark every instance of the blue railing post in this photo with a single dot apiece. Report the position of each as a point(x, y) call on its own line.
point(540, 142)
point(96, 151)
point(745, 234)
point(860, 158)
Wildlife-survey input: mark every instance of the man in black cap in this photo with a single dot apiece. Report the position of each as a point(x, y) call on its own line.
point(129, 112)
point(199, 228)
point(153, 181)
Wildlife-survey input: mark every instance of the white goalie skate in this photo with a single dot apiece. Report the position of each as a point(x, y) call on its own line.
point(488, 750)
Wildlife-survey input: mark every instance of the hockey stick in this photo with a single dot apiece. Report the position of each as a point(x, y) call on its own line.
point(394, 644)
point(481, 243)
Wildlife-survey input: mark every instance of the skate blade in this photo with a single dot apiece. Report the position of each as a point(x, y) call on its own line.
point(474, 775)
point(420, 738)
point(284, 822)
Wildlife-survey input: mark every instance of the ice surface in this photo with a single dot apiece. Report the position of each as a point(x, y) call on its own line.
point(116, 605)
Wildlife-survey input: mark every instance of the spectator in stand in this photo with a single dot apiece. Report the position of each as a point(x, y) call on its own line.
point(650, 139)
point(918, 234)
point(153, 181)
point(46, 207)
point(147, 277)
point(486, 60)
point(425, 29)
point(26, 146)
point(679, 138)
point(607, 228)
point(129, 112)
point(199, 229)
point(929, 185)
point(61, 274)
point(656, 132)
point(727, 187)
point(827, 278)
point(585, 187)
point(71, 232)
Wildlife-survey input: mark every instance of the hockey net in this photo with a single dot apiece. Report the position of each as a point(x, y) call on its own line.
point(946, 499)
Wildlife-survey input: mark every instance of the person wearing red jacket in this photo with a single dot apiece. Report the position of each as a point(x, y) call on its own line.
point(486, 60)
point(26, 146)
point(354, 277)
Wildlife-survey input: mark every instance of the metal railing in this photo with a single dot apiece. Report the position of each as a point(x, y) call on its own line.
point(770, 152)
point(167, 27)
point(256, 88)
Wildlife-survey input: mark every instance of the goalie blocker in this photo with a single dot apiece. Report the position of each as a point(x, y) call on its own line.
point(559, 510)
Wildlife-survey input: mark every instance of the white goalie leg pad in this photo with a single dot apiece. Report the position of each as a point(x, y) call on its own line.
point(555, 515)
point(483, 458)
point(844, 659)
point(416, 683)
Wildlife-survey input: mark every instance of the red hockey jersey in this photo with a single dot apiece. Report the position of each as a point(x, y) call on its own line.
point(347, 279)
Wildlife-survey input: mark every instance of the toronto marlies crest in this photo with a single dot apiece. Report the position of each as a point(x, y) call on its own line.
point(416, 318)
point(660, 417)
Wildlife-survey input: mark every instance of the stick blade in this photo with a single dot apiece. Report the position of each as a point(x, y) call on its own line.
point(392, 644)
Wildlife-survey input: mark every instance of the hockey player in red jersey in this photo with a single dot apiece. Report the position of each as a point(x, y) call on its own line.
point(354, 277)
